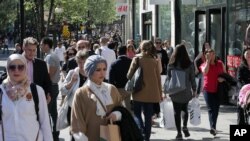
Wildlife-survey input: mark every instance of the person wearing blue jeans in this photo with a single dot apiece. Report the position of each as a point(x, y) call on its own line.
point(213, 105)
point(147, 109)
point(211, 69)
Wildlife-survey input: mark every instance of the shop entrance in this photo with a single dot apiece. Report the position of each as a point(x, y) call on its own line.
point(210, 26)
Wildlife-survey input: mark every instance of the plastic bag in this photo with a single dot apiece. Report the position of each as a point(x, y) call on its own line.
point(167, 109)
point(194, 112)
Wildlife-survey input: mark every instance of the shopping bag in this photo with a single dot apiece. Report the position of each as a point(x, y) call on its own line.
point(194, 112)
point(168, 114)
point(62, 121)
point(110, 132)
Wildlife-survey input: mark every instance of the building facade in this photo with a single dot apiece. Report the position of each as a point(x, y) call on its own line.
point(222, 23)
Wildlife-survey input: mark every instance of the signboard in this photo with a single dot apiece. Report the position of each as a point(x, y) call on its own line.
point(160, 2)
point(122, 9)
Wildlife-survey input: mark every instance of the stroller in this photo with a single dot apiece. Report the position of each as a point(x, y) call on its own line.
point(244, 102)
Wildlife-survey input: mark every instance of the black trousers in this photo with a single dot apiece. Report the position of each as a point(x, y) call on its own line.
point(178, 108)
point(53, 110)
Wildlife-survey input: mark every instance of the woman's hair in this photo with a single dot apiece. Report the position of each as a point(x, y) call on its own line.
point(204, 47)
point(67, 52)
point(148, 48)
point(132, 46)
point(180, 57)
point(244, 61)
point(82, 55)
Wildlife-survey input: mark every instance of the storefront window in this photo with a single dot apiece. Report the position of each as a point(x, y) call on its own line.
point(187, 27)
point(164, 22)
point(238, 20)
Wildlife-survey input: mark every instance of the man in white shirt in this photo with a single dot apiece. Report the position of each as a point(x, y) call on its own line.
point(59, 51)
point(107, 53)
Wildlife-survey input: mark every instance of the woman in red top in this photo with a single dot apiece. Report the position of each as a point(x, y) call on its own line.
point(211, 69)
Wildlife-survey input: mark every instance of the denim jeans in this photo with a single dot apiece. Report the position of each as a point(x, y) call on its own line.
point(147, 109)
point(213, 105)
point(53, 110)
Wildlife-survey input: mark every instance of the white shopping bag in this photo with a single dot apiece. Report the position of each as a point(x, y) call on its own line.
point(167, 110)
point(195, 112)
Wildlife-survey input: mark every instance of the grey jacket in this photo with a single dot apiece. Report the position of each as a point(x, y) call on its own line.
point(186, 95)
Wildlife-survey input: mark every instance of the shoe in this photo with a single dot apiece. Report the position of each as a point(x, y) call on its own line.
point(213, 132)
point(179, 136)
point(185, 131)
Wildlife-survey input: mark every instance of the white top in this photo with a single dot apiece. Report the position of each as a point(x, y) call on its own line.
point(20, 119)
point(59, 52)
point(109, 55)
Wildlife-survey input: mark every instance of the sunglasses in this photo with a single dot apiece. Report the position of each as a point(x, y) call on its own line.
point(158, 42)
point(18, 67)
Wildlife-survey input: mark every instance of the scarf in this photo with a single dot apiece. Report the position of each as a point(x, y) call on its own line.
point(103, 92)
point(16, 90)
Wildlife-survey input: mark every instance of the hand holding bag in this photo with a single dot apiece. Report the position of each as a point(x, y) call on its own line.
point(176, 82)
point(110, 132)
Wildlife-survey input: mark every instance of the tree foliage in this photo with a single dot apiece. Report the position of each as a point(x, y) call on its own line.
point(8, 13)
point(77, 10)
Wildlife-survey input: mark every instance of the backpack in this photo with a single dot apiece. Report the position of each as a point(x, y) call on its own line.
point(35, 98)
point(2, 77)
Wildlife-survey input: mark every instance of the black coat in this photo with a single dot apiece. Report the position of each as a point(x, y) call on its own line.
point(128, 127)
point(243, 75)
point(41, 76)
point(118, 71)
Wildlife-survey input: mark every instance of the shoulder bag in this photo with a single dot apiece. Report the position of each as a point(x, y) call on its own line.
point(176, 82)
point(135, 84)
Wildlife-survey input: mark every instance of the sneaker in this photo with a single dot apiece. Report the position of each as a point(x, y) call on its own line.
point(213, 131)
point(179, 136)
point(185, 131)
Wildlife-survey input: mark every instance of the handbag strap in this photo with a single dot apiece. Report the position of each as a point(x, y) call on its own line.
point(1, 113)
point(104, 107)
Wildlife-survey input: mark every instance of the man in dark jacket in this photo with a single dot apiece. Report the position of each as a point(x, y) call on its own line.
point(118, 74)
point(37, 68)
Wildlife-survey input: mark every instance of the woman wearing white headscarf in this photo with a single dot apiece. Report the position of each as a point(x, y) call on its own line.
point(87, 111)
point(19, 118)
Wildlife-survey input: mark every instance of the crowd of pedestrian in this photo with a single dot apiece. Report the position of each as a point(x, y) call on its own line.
point(93, 76)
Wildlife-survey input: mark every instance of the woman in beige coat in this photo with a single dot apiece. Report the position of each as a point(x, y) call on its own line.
point(151, 90)
point(93, 102)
